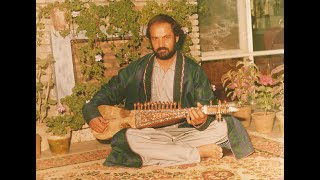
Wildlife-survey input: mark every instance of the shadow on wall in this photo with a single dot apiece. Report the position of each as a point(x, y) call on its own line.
point(214, 70)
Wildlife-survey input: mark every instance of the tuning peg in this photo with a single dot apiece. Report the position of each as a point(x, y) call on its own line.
point(179, 105)
point(134, 106)
point(218, 117)
point(210, 103)
point(174, 105)
point(167, 105)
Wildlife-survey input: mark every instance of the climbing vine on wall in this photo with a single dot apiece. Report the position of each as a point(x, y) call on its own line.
point(44, 84)
point(118, 19)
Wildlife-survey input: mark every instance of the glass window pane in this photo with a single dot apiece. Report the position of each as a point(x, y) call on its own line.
point(267, 24)
point(219, 27)
point(267, 63)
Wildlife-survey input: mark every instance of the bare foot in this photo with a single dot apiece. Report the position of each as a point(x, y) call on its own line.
point(210, 150)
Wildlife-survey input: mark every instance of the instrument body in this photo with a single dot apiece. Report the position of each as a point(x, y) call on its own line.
point(151, 115)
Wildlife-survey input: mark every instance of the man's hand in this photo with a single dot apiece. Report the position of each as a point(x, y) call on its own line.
point(196, 117)
point(98, 124)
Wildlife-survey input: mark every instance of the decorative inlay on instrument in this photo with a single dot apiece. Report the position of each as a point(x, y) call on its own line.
point(157, 114)
point(153, 114)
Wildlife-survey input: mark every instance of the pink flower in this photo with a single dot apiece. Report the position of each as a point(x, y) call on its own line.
point(233, 85)
point(244, 68)
point(61, 109)
point(245, 84)
point(265, 80)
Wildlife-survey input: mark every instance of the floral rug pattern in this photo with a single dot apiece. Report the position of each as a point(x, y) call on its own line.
point(71, 159)
point(266, 162)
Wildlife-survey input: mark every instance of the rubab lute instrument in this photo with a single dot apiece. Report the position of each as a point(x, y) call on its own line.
point(152, 114)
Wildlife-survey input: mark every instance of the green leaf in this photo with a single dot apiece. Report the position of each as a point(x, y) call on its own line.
point(52, 102)
point(37, 114)
point(43, 63)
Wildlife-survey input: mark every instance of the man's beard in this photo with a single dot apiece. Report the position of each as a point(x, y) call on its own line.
point(164, 55)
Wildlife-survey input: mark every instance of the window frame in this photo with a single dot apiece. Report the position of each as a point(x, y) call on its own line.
point(245, 37)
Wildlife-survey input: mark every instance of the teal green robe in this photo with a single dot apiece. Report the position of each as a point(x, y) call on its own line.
point(133, 84)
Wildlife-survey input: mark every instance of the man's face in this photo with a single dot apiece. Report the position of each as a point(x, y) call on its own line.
point(163, 40)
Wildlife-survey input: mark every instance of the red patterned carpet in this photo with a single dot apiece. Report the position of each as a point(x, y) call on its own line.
point(266, 163)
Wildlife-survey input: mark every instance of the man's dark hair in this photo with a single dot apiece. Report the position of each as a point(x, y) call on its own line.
point(176, 27)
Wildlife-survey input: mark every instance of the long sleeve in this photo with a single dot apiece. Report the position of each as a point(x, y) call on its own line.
point(111, 93)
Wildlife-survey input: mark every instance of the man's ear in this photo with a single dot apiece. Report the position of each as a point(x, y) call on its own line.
point(177, 39)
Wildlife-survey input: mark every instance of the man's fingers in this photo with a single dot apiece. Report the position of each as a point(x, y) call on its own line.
point(197, 116)
point(98, 124)
point(199, 105)
point(97, 127)
point(194, 114)
point(200, 113)
point(103, 124)
point(189, 119)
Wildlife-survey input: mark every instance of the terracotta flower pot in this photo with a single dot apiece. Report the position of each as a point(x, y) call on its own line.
point(38, 146)
point(59, 144)
point(41, 130)
point(263, 122)
point(280, 118)
point(244, 115)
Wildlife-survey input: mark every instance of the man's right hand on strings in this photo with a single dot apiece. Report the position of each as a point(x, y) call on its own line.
point(99, 124)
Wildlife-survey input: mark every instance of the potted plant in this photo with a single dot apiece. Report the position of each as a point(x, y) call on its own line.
point(240, 85)
point(81, 93)
point(59, 131)
point(279, 95)
point(44, 86)
point(70, 116)
point(270, 98)
point(38, 146)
